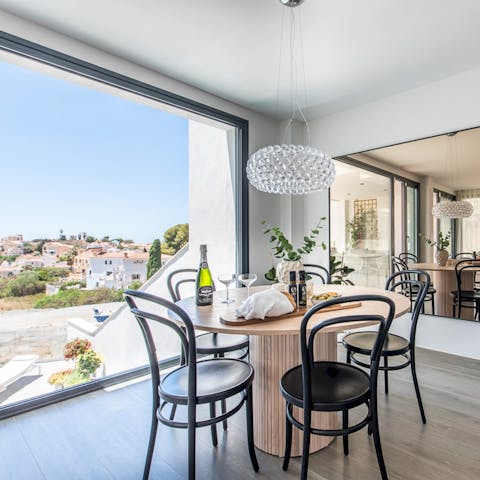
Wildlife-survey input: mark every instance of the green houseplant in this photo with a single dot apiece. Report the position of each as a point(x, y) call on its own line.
point(441, 244)
point(362, 226)
point(339, 271)
point(290, 257)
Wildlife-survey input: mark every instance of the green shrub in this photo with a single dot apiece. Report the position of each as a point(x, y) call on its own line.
point(75, 297)
point(25, 283)
point(135, 285)
point(75, 378)
point(88, 362)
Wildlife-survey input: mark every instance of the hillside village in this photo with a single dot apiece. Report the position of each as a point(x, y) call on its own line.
point(96, 264)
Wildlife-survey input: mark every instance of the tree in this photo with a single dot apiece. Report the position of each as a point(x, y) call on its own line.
point(89, 239)
point(154, 258)
point(40, 245)
point(175, 238)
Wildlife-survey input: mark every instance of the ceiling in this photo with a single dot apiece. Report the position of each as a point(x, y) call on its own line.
point(352, 183)
point(453, 161)
point(354, 51)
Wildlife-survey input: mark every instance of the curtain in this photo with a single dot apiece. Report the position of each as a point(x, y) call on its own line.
point(470, 227)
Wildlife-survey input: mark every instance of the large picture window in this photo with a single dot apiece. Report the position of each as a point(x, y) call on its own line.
point(114, 173)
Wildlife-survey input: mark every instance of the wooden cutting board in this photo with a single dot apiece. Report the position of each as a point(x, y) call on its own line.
point(231, 319)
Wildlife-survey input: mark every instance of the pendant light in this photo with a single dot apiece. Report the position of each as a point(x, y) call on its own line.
point(452, 208)
point(291, 169)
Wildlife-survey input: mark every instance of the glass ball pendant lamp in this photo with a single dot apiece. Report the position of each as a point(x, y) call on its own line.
point(291, 169)
point(452, 208)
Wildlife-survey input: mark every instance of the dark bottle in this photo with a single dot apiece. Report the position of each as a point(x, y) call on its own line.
point(204, 283)
point(292, 287)
point(302, 289)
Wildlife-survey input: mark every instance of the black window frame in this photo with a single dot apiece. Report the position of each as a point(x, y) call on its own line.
point(39, 53)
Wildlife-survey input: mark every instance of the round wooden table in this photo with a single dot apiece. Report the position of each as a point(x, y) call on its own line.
point(445, 281)
point(275, 348)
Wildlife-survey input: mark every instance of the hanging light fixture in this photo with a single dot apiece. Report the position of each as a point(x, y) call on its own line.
point(291, 169)
point(452, 208)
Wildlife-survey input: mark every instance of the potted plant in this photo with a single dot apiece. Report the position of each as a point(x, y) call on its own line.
point(363, 226)
point(339, 271)
point(441, 252)
point(86, 361)
point(290, 257)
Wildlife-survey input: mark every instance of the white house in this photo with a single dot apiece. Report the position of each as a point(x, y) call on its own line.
point(116, 269)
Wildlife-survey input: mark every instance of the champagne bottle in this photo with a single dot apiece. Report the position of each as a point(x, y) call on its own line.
point(302, 289)
point(292, 287)
point(204, 283)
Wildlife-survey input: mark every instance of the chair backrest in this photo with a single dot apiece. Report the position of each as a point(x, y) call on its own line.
point(177, 278)
point(464, 266)
point(307, 339)
point(399, 265)
point(415, 284)
point(180, 277)
point(466, 255)
point(182, 326)
point(318, 271)
point(408, 257)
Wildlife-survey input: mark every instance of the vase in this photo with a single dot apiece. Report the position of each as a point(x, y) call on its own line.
point(285, 267)
point(441, 257)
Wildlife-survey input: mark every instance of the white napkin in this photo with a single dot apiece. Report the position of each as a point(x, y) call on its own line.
point(268, 303)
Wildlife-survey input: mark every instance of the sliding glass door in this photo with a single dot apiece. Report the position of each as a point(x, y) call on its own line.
point(406, 217)
point(360, 223)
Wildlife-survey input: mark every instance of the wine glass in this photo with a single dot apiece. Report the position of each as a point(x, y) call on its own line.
point(247, 279)
point(227, 279)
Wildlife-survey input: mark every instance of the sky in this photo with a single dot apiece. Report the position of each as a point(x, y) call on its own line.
point(80, 160)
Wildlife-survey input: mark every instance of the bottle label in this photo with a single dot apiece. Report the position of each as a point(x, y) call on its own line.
point(292, 290)
point(205, 295)
point(302, 295)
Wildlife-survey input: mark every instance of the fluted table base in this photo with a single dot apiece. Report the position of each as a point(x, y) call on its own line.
point(272, 356)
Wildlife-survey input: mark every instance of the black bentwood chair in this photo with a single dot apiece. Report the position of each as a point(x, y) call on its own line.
point(317, 271)
point(462, 298)
point(400, 266)
point(193, 383)
point(216, 344)
point(362, 343)
point(325, 386)
point(466, 256)
point(408, 257)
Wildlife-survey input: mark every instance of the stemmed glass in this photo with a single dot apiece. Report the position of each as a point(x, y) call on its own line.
point(247, 279)
point(227, 279)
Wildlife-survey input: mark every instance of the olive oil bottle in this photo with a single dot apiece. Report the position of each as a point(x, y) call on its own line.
point(302, 289)
point(204, 282)
point(292, 287)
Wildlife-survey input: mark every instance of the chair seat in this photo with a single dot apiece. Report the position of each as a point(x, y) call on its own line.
point(469, 294)
point(209, 343)
point(216, 379)
point(335, 386)
point(363, 342)
point(431, 290)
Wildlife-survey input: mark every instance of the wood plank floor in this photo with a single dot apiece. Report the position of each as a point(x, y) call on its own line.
point(103, 435)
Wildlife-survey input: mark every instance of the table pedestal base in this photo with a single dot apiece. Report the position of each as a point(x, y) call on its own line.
point(271, 357)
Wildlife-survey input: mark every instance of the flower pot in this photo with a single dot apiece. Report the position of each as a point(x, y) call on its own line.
point(441, 257)
point(285, 267)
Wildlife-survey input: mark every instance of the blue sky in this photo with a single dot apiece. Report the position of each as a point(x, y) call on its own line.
point(82, 160)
